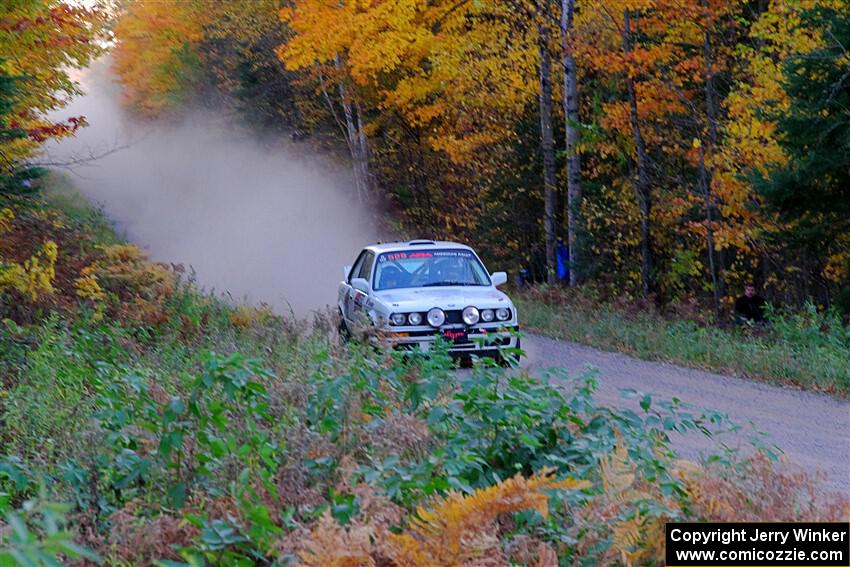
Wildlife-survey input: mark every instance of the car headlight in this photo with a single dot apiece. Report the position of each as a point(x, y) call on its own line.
point(436, 317)
point(503, 314)
point(414, 318)
point(487, 315)
point(398, 319)
point(471, 315)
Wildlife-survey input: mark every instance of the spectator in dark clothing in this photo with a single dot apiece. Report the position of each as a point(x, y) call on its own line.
point(750, 306)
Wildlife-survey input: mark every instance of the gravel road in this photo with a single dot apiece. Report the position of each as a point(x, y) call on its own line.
point(812, 430)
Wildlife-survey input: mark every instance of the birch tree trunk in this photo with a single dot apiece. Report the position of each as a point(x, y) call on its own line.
point(355, 138)
point(547, 142)
point(643, 190)
point(363, 154)
point(571, 119)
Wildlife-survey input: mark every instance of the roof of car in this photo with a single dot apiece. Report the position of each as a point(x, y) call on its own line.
point(413, 245)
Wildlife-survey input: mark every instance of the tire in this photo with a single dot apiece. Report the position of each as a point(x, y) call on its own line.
point(344, 332)
point(513, 360)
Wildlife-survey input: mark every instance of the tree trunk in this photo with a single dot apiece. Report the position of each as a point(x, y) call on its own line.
point(356, 140)
point(571, 120)
point(643, 190)
point(547, 143)
point(363, 153)
point(706, 174)
point(356, 145)
point(705, 185)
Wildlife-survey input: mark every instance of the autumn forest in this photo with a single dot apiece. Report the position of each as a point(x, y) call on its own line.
point(672, 149)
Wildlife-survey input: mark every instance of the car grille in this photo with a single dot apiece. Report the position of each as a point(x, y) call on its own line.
point(454, 316)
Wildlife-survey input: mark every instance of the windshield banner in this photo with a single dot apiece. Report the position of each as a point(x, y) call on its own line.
point(422, 254)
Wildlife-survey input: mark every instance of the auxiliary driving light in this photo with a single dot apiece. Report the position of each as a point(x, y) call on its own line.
point(436, 317)
point(470, 315)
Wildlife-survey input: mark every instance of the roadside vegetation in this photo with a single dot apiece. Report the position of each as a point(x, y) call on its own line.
point(809, 349)
point(144, 422)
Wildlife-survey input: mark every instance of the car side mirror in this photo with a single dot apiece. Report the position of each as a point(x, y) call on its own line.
point(499, 278)
point(360, 284)
point(345, 271)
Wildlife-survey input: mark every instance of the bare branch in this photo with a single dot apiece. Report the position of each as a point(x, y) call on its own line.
point(77, 160)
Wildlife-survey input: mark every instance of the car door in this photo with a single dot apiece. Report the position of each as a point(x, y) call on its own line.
point(347, 291)
point(358, 310)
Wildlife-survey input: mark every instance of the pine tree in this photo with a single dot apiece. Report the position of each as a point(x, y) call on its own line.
point(811, 192)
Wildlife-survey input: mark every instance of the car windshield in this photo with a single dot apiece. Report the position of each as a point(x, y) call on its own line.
point(429, 268)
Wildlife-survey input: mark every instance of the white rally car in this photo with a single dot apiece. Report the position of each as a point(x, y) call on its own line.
point(411, 293)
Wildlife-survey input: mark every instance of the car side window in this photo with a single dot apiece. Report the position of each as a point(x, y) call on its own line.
point(355, 270)
point(366, 268)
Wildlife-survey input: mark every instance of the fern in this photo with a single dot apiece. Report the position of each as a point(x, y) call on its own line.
point(460, 529)
point(331, 545)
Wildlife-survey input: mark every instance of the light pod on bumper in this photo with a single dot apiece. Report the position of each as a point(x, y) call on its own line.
point(471, 315)
point(436, 317)
point(503, 314)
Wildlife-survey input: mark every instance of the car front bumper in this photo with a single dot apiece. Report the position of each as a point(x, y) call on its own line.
point(478, 341)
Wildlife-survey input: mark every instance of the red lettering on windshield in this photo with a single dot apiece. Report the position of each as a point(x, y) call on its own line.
point(408, 255)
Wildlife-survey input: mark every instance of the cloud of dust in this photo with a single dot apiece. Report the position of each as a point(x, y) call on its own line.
point(258, 219)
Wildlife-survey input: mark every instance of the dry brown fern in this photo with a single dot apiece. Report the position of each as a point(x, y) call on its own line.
point(635, 539)
point(331, 545)
point(461, 529)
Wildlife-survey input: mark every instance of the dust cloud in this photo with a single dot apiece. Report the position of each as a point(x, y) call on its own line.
point(260, 220)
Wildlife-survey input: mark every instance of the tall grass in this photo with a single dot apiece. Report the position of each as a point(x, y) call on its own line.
point(809, 349)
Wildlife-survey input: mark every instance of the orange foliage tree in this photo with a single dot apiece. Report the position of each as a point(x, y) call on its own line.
point(447, 75)
point(156, 57)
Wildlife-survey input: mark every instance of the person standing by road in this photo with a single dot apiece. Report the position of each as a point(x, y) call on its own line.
point(750, 306)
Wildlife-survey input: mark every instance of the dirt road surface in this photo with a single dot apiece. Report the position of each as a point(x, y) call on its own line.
point(812, 430)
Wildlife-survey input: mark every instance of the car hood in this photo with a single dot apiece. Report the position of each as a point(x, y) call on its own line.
point(425, 298)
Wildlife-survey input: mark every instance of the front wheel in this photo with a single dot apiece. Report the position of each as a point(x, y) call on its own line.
point(342, 329)
point(512, 359)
